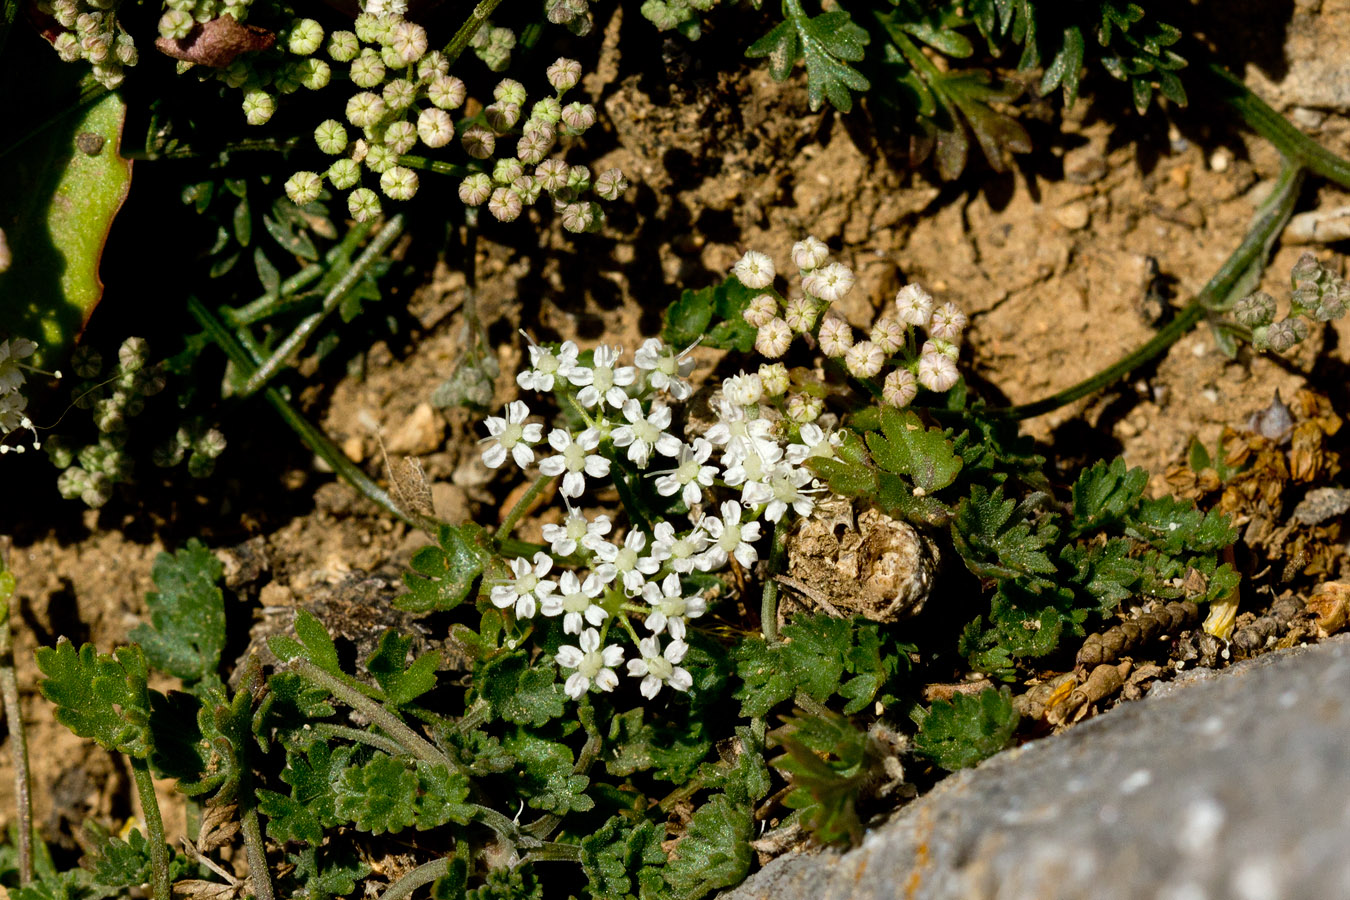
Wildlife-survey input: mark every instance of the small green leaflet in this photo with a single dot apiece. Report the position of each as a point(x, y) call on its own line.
point(828, 43)
point(518, 692)
point(1175, 526)
point(715, 851)
point(826, 762)
point(99, 696)
point(186, 633)
point(549, 783)
point(312, 772)
point(445, 574)
point(968, 729)
point(1105, 493)
point(384, 795)
point(996, 537)
point(314, 644)
point(906, 447)
point(671, 751)
point(619, 853)
point(691, 318)
point(402, 683)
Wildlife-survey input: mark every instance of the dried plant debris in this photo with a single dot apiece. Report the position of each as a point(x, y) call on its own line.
point(1128, 637)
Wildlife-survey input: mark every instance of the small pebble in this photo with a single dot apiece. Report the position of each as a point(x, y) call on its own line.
point(1074, 215)
point(1220, 160)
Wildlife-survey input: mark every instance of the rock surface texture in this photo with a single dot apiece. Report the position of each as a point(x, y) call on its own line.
point(1232, 784)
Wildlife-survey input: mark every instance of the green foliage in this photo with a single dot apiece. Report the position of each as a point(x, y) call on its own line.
point(1000, 537)
point(99, 696)
point(621, 860)
point(384, 794)
point(906, 447)
point(549, 782)
point(968, 729)
point(402, 682)
point(444, 573)
point(519, 692)
point(827, 762)
point(311, 806)
point(715, 851)
point(827, 43)
point(693, 316)
point(187, 615)
point(1105, 493)
point(670, 751)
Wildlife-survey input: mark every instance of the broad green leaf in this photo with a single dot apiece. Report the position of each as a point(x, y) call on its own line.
point(444, 573)
point(99, 696)
point(907, 447)
point(715, 851)
point(59, 192)
point(402, 682)
point(619, 853)
point(186, 634)
point(968, 729)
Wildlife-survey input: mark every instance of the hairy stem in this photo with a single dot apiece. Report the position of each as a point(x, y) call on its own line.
point(18, 741)
point(266, 305)
point(460, 41)
point(434, 165)
point(523, 506)
point(359, 736)
point(768, 604)
point(1236, 272)
point(411, 742)
point(154, 826)
point(423, 874)
point(254, 849)
point(296, 339)
point(554, 852)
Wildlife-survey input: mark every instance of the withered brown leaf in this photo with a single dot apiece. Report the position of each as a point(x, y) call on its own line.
point(217, 43)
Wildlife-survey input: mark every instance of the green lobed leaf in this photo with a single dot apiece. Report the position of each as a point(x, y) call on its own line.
point(385, 794)
point(99, 696)
point(401, 682)
point(186, 634)
point(314, 644)
point(443, 574)
point(715, 851)
point(1105, 493)
point(1173, 526)
point(518, 692)
point(906, 447)
point(827, 43)
point(549, 782)
point(967, 729)
point(312, 772)
point(999, 537)
point(827, 764)
point(671, 751)
point(620, 857)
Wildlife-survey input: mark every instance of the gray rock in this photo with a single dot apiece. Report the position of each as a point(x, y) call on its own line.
point(1232, 784)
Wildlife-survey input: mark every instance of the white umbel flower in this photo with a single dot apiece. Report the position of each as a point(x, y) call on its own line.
point(679, 552)
point(546, 366)
point(643, 433)
point(626, 563)
point(528, 588)
point(670, 607)
point(666, 370)
point(829, 283)
point(731, 538)
point(511, 435)
point(594, 667)
point(657, 667)
point(754, 270)
point(575, 460)
point(575, 600)
point(603, 381)
point(691, 473)
point(914, 305)
point(576, 530)
point(787, 487)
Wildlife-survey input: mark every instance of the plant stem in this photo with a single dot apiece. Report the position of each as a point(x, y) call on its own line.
point(267, 304)
point(434, 165)
point(768, 604)
point(1235, 272)
point(551, 851)
point(154, 826)
point(296, 339)
point(1293, 144)
point(313, 438)
point(460, 41)
point(423, 874)
point(412, 742)
point(357, 735)
point(254, 849)
point(523, 506)
point(18, 741)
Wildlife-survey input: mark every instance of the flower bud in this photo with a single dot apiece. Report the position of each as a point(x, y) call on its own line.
point(409, 41)
point(306, 37)
point(475, 190)
point(344, 174)
point(800, 314)
point(434, 127)
point(937, 372)
point(478, 142)
point(343, 46)
point(803, 408)
point(447, 92)
point(864, 359)
point(363, 204)
point(400, 93)
point(915, 305)
point(564, 74)
point(773, 339)
point(399, 183)
point(809, 253)
point(948, 322)
point(505, 205)
point(754, 270)
point(900, 388)
point(367, 70)
point(610, 185)
point(836, 336)
point(888, 334)
point(760, 310)
point(303, 187)
point(507, 170)
point(1255, 310)
point(401, 136)
point(829, 283)
point(774, 377)
point(1307, 269)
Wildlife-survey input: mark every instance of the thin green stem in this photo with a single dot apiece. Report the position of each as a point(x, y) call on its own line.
point(359, 736)
point(18, 740)
point(1235, 273)
point(313, 437)
point(503, 826)
point(423, 874)
point(411, 742)
point(460, 41)
point(549, 851)
point(255, 850)
point(474, 716)
point(523, 506)
point(296, 339)
point(434, 165)
point(154, 827)
point(267, 304)
point(1293, 144)
point(768, 604)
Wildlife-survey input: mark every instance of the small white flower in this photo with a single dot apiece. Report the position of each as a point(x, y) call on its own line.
point(760, 310)
point(666, 370)
point(690, 475)
point(603, 380)
point(915, 305)
point(900, 388)
point(547, 366)
point(740, 435)
point(670, 608)
point(576, 601)
point(755, 270)
point(888, 334)
point(829, 283)
point(527, 588)
point(511, 434)
point(679, 552)
point(754, 468)
point(937, 372)
point(809, 253)
point(815, 442)
point(773, 338)
point(864, 359)
point(575, 460)
point(576, 530)
point(626, 563)
point(836, 336)
point(948, 322)
point(731, 538)
point(593, 666)
point(656, 667)
point(787, 487)
point(643, 433)
point(743, 389)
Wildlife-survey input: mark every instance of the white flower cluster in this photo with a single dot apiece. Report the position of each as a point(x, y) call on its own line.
point(893, 338)
point(12, 401)
point(747, 466)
